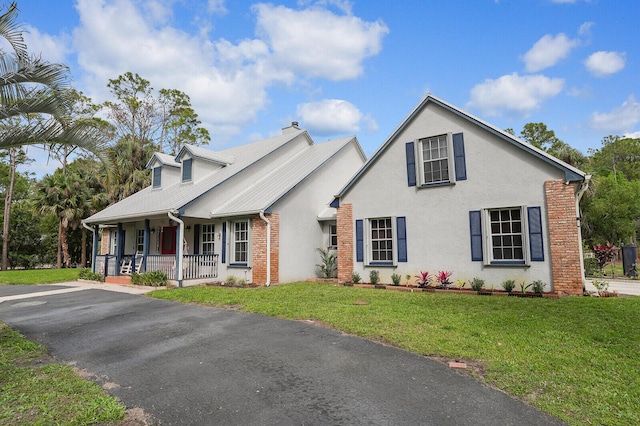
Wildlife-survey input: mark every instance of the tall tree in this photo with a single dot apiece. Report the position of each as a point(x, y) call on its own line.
point(617, 155)
point(538, 135)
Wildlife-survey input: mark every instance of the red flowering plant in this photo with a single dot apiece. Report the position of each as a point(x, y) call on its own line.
point(443, 279)
point(423, 280)
point(604, 254)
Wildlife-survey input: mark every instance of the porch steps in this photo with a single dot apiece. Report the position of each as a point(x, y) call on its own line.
point(122, 279)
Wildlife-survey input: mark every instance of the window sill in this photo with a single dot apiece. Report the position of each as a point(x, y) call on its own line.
point(436, 184)
point(238, 265)
point(381, 264)
point(507, 263)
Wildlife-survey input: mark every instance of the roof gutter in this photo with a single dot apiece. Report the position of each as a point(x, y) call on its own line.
point(263, 217)
point(180, 246)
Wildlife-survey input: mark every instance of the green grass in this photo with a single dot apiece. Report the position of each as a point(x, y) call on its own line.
point(575, 358)
point(35, 392)
point(38, 276)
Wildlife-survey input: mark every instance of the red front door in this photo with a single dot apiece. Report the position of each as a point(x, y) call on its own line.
point(169, 240)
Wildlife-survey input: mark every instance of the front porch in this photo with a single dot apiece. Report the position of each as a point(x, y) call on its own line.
point(194, 266)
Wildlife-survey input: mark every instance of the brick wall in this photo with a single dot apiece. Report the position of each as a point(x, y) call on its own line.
point(344, 222)
point(259, 249)
point(564, 236)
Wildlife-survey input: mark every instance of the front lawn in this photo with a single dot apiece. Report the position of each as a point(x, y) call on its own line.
point(34, 391)
point(38, 276)
point(576, 358)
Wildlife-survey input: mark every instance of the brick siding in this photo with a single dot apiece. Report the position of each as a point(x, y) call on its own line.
point(259, 249)
point(344, 222)
point(564, 236)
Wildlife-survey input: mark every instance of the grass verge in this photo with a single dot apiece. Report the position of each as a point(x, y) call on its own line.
point(38, 276)
point(35, 392)
point(575, 358)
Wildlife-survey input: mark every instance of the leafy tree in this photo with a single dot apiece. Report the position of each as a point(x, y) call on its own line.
point(128, 160)
point(617, 156)
point(611, 212)
point(538, 135)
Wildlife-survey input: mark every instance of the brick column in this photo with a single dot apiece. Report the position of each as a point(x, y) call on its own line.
point(259, 249)
point(344, 222)
point(104, 242)
point(564, 237)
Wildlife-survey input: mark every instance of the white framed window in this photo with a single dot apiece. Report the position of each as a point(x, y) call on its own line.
point(113, 242)
point(380, 241)
point(187, 169)
point(140, 241)
point(435, 156)
point(333, 236)
point(511, 235)
point(507, 236)
point(157, 177)
point(240, 242)
point(207, 238)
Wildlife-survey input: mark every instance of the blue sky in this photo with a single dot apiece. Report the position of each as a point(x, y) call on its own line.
point(343, 67)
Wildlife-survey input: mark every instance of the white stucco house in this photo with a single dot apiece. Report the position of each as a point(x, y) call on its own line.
point(257, 212)
point(448, 191)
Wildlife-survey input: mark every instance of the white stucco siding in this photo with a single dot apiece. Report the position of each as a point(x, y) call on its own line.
point(301, 234)
point(499, 174)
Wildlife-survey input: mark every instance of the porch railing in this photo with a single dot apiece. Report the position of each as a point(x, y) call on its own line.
point(194, 266)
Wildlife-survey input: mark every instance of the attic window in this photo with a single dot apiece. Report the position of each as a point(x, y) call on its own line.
point(187, 168)
point(157, 177)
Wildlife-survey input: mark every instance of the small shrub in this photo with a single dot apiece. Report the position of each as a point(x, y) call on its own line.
point(443, 278)
point(524, 286)
point(600, 284)
point(477, 284)
point(423, 280)
point(461, 284)
point(395, 278)
point(509, 285)
point(374, 277)
point(538, 286)
point(329, 263)
point(87, 274)
point(355, 277)
point(591, 267)
point(604, 254)
point(152, 279)
point(408, 278)
point(231, 280)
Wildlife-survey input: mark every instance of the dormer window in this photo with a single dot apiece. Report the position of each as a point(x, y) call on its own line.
point(157, 177)
point(187, 169)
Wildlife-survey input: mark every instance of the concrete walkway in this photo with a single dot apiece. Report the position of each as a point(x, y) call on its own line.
point(16, 293)
point(626, 287)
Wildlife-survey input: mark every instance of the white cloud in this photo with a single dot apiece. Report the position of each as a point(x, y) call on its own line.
point(332, 117)
point(315, 42)
point(632, 135)
point(602, 64)
point(227, 81)
point(622, 119)
point(51, 48)
point(513, 93)
point(548, 51)
point(217, 7)
point(585, 29)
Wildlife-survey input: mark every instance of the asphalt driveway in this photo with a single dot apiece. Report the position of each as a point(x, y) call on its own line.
point(195, 365)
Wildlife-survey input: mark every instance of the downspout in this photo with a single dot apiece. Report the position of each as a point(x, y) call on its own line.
point(581, 191)
point(263, 217)
point(180, 246)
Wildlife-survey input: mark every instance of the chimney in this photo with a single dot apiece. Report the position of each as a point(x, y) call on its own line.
point(293, 128)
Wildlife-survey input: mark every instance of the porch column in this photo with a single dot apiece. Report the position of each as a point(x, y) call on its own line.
point(178, 252)
point(120, 250)
point(94, 248)
point(145, 249)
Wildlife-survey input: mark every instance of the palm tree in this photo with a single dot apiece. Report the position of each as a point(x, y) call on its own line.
point(29, 85)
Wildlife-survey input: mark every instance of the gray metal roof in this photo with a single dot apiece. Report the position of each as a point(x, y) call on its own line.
point(257, 196)
point(205, 154)
point(166, 159)
point(265, 192)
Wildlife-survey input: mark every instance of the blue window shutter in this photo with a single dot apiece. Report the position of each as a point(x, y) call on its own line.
point(458, 157)
point(359, 241)
point(157, 177)
point(475, 226)
point(411, 164)
point(224, 242)
point(196, 239)
point(535, 234)
point(401, 231)
point(187, 167)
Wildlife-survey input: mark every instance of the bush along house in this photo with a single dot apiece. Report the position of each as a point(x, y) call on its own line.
point(450, 192)
point(257, 212)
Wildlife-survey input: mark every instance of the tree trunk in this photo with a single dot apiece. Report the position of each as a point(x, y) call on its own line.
point(65, 247)
point(83, 255)
point(60, 232)
point(7, 209)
